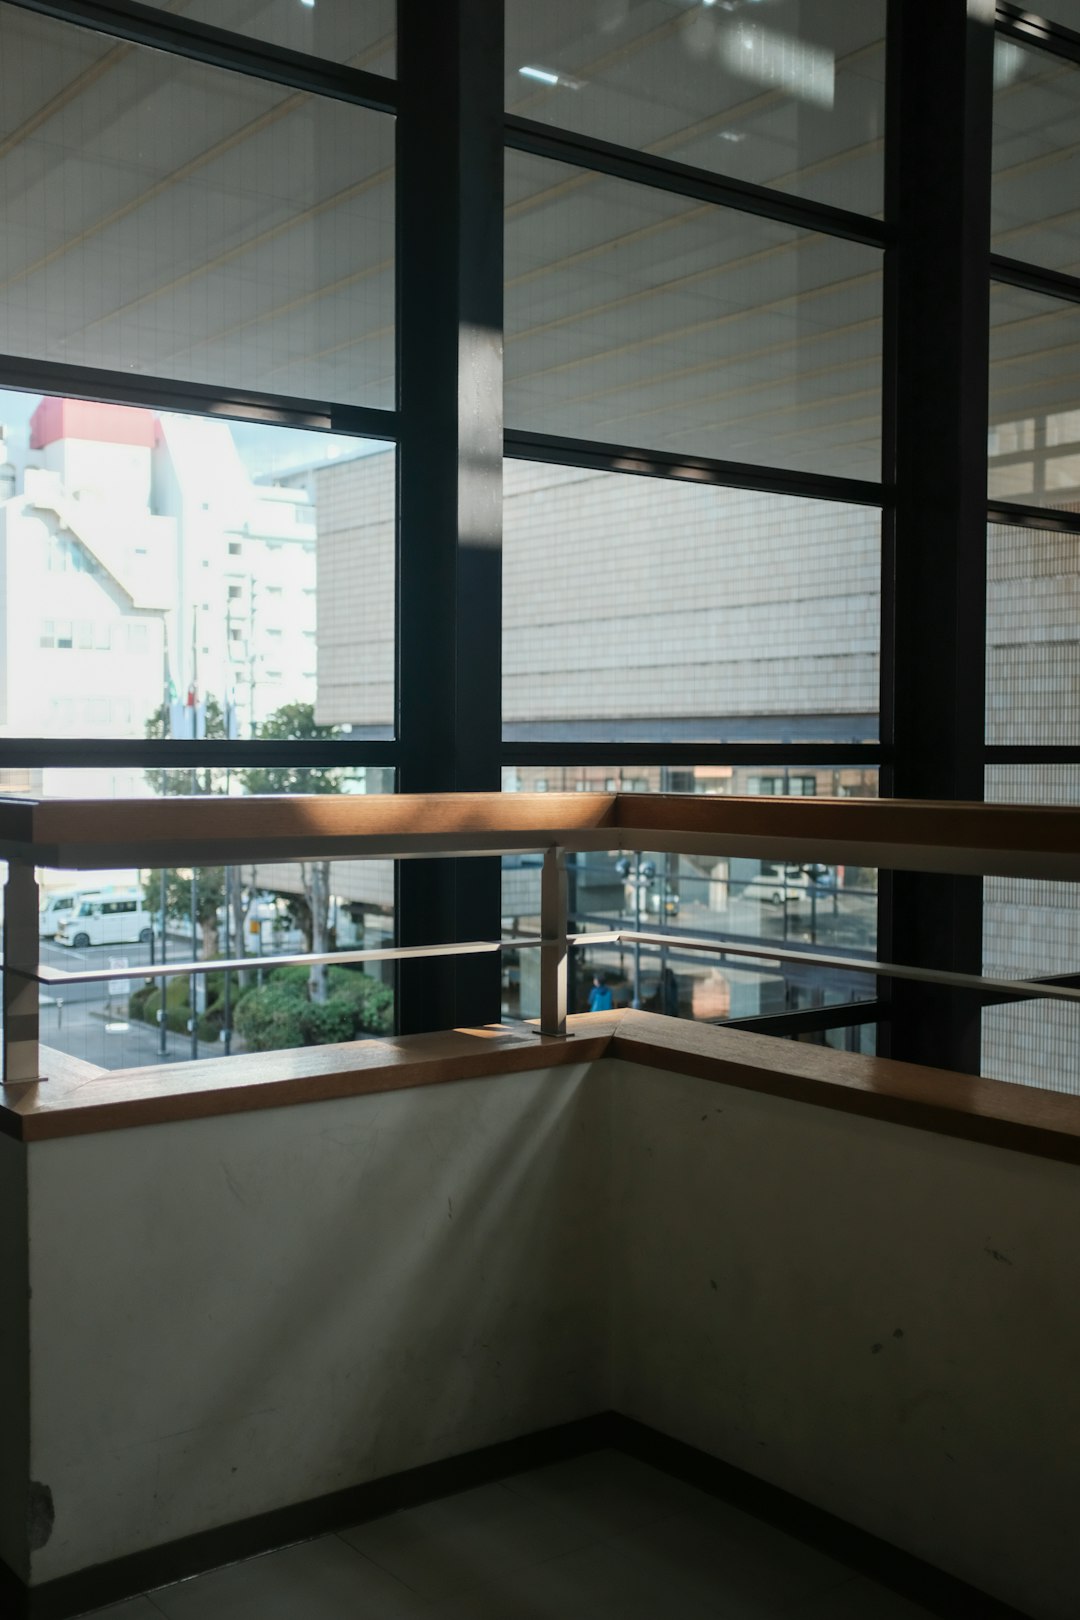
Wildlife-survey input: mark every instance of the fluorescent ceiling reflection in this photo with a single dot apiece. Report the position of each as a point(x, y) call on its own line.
point(780, 62)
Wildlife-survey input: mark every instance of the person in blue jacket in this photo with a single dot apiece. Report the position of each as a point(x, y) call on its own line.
point(600, 997)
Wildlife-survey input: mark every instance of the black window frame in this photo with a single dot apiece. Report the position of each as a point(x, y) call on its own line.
point(452, 135)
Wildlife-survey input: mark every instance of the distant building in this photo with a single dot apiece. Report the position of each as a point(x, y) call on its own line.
point(79, 540)
point(642, 608)
point(154, 559)
point(243, 616)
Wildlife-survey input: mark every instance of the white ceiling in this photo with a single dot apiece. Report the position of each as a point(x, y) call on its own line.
point(165, 217)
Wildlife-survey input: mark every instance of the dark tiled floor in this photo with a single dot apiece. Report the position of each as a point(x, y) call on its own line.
point(598, 1537)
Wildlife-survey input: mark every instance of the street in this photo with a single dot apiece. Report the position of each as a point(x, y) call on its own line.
point(843, 921)
point(89, 1021)
point(846, 920)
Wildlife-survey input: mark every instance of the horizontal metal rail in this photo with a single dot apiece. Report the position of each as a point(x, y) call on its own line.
point(43, 974)
point(1023, 989)
point(765, 955)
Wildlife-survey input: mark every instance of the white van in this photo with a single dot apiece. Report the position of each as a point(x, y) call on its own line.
point(59, 906)
point(114, 918)
point(778, 885)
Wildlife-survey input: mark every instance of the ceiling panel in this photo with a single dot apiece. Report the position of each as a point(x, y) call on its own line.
point(174, 219)
point(786, 93)
point(641, 318)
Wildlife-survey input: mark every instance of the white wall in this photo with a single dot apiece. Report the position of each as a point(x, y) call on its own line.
point(233, 1314)
point(236, 1313)
point(883, 1321)
point(14, 1335)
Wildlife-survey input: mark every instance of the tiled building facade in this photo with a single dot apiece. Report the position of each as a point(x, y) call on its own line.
point(639, 607)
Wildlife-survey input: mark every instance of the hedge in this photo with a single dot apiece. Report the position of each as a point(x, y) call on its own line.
point(278, 1013)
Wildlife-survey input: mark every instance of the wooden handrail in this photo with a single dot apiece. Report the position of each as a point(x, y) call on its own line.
point(898, 834)
point(1010, 840)
point(82, 1099)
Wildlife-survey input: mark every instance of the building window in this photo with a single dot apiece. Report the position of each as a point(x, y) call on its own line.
point(785, 786)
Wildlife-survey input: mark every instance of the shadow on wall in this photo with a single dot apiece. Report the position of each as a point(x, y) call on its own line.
point(312, 1297)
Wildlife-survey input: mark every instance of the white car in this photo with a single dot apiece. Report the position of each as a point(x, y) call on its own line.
point(107, 919)
point(778, 885)
point(57, 907)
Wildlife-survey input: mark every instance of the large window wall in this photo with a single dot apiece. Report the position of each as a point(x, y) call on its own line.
point(692, 572)
point(444, 396)
point(1033, 575)
point(197, 329)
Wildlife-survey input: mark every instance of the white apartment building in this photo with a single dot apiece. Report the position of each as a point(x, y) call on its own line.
point(80, 540)
point(154, 557)
point(242, 625)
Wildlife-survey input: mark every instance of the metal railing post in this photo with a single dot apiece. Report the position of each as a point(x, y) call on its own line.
point(20, 1042)
point(554, 950)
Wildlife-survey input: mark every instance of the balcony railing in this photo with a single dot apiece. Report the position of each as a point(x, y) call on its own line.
point(984, 840)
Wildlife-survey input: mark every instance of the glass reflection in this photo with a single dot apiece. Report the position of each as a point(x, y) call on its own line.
point(790, 94)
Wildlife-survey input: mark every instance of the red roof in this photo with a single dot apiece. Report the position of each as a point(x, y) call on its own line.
point(84, 419)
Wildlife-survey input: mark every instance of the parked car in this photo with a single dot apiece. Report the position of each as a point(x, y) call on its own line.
point(791, 885)
point(58, 907)
point(107, 919)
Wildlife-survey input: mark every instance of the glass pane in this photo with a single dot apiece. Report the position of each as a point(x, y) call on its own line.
point(1032, 636)
point(167, 218)
point(1030, 929)
point(362, 33)
point(165, 574)
point(792, 97)
point(1034, 399)
point(862, 1038)
point(640, 607)
point(137, 782)
point(1036, 156)
point(641, 318)
point(794, 908)
point(141, 919)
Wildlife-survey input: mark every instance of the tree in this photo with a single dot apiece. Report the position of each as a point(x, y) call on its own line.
point(208, 780)
point(295, 722)
point(176, 779)
point(210, 895)
point(280, 1013)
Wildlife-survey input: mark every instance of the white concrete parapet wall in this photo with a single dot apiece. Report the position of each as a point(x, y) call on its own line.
point(230, 1315)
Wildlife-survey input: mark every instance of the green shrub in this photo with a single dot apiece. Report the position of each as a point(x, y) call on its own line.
point(137, 1001)
point(278, 1014)
point(270, 1017)
point(330, 1021)
point(145, 1002)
